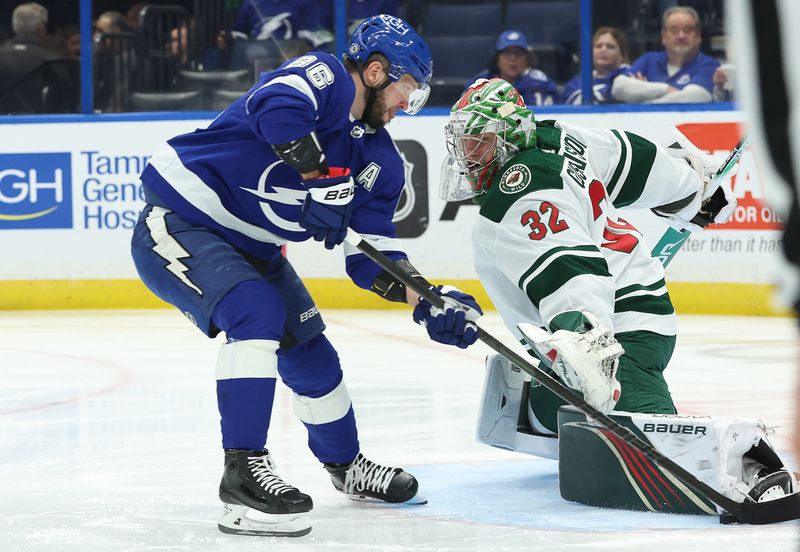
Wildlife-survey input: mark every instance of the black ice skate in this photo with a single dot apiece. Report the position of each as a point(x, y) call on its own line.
point(366, 480)
point(257, 501)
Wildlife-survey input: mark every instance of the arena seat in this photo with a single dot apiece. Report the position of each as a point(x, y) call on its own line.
point(546, 22)
point(456, 61)
point(553, 23)
point(210, 81)
point(191, 100)
point(269, 53)
point(462, 20)
point(220, 99)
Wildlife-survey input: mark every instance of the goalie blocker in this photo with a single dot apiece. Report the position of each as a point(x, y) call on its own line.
point(732, 455)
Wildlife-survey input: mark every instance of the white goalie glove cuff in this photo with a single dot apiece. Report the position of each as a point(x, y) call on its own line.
point(714, 205)
point(586, 362)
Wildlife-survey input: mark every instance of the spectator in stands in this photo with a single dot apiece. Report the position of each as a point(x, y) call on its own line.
point(133, 15)
point(66, 41)
point(679, 74)
point(513, 62)
point(29, 23)
point(21, 56)
point(183, 51)
point(111, 22)
point(357, 11)
point(179, 44)
point(609, 60)
point(115, 63)
point(282, 20)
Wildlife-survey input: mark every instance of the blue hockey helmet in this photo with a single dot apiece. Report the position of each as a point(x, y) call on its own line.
point(395, 39)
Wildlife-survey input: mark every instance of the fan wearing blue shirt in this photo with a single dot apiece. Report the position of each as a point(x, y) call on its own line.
point(512, 63)
point(282, 20)
point(281, 165)
point(609, 60)
point(679, 74)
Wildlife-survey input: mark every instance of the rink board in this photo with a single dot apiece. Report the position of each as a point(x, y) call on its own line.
point(69, 196)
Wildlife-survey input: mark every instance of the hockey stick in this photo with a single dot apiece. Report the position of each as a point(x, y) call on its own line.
point(754, 513)
point(672, 240)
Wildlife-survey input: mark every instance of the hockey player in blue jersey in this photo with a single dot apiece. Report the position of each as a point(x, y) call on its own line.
point(275, 167)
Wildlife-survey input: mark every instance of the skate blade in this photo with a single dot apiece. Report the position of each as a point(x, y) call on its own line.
point(241, 520)
point(416, 500)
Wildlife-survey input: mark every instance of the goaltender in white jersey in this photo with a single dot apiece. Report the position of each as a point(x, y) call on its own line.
point(577, 285)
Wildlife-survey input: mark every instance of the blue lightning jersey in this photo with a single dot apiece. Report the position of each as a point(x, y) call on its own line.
point(601, 87)
point(227, 177)
point(653, 65)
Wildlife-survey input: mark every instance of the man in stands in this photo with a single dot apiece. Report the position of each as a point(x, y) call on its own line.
point(22, 55)
point(679, 73)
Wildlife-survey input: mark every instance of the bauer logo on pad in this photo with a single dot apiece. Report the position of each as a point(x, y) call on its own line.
point(35, 190)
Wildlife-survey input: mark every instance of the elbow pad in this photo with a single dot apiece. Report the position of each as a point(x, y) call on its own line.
point(304, 154)
point(388, 287)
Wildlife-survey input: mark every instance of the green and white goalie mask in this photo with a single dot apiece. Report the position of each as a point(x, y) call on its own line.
point(487, 125)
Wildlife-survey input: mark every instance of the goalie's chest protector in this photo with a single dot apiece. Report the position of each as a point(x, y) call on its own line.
point(548, 207)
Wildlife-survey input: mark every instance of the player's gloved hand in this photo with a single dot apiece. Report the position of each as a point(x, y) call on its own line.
point(713, 205)
point(718, 208)
point(328, 206)
point(586, 361)
point(455, 324)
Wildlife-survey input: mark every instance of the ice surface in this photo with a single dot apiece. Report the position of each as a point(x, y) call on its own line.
point(109, 440)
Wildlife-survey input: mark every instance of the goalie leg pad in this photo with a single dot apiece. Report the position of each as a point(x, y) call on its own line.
point(241, 520)
point(499, 409)
point(504, 411)
point(732, 455)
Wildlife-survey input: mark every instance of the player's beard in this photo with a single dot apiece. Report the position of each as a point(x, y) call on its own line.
point(375, 116)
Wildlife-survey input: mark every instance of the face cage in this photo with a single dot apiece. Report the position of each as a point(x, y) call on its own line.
point(465, 147)
point(462, 175)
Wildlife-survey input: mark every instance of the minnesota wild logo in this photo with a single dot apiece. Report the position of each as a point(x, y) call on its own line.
point(516, 178)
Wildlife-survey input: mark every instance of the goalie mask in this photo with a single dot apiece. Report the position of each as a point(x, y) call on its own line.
point(487, 126)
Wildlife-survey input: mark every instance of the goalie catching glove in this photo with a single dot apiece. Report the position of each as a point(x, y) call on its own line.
point(585, 361)
point(455, 325)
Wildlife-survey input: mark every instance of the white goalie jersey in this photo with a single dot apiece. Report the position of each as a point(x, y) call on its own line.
point(550, 243)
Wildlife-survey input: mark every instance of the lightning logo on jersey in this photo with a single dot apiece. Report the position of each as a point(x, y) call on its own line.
point(286, 196)
point(168, 247)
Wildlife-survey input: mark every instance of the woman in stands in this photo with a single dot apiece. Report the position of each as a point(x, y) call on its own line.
point(513, 62)
point(609, 59)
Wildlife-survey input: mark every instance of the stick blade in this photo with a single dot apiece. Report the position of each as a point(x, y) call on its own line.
point(786, 508)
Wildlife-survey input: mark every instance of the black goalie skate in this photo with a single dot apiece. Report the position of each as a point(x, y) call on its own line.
point(256, 499)
point(365, 480)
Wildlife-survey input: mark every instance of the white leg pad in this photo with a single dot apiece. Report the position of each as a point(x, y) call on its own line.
point(251, 358)
point(325, 409)
point(500, 402)
point(712, 448)
point(241, 520)
point(543, 446)
point(499, 412)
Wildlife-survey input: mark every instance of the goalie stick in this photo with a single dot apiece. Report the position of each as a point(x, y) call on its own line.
point(754, 513)
point(672, 240)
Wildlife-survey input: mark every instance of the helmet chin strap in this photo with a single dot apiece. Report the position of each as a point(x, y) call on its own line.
point(372, 92)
